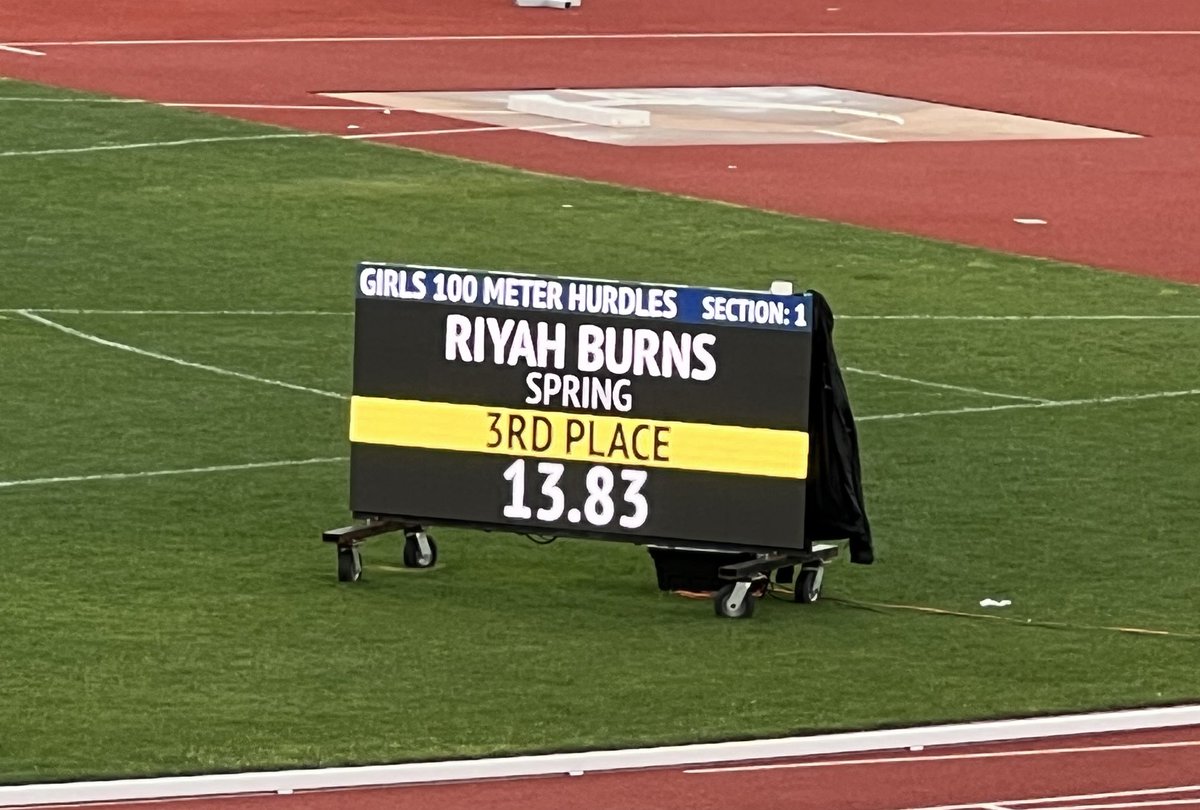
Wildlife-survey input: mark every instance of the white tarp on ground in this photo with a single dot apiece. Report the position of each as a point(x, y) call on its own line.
point(687, 116)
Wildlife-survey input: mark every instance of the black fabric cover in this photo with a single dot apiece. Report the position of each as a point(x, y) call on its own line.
point(834, 504)
point(834, 507)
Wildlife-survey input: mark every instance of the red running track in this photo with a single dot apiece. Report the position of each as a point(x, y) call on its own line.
point(1146, 769)
point(1129, 204)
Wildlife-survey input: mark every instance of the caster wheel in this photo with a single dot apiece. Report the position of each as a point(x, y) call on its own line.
point(808, 584)
point(417, 557)
point(349, 564)
point(722, 607)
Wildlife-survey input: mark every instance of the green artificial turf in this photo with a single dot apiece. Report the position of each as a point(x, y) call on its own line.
point(194, 622)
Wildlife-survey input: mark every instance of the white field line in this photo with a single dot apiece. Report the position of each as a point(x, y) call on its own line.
point(1189, 317)
point(1058, 403)
point(155, 144)
point(596, 761)
point(1031, 404)
point(37, 100)
point(946, 386)
point(188, 312)
point(248, 106)
point(259, 465)
point(1029, 752)
point(112, 344)
point(191, 141)
point(1081, 797)
point(1019, 317)
point(616, 36)
point(22, 51)
point(849, 136)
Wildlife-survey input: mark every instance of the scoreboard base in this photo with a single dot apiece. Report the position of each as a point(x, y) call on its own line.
point(747, 579)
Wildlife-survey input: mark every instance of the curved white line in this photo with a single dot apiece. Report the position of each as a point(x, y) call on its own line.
point(112, 344)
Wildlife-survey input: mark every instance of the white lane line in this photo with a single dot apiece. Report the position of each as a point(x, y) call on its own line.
point(1081, 797)
point(572, 37)
point(1028, 752)
point(22, 51)
point(154, 144)
point(833, 133)
point(677, 756)
point(1019, 317)
point(1058, 403)
point(946, 386)
point(112, 344)
point(258, 465)
point(1125, 805)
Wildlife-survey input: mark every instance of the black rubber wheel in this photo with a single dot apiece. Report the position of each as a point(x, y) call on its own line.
point(808, 584)
point(412, 552)
point(721, 604)
point(349, 564)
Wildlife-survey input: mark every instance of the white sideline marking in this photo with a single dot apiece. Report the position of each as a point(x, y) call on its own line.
point(1195, 317)
point(946, 386)
point(1057, 403)
point(1118, 794)
point(571, 37)
point(666, 756)
point(258, 465)
point(231, 312)
point(1030, 404)
point(849, 136)
point(406, 134)
point(112, 344)
point(1019, 317)
point(22, 51)
point(152, 144)
point(75, 100)
point(1030, 752)
point(245, 106)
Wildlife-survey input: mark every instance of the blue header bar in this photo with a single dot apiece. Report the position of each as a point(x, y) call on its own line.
point(580, 296)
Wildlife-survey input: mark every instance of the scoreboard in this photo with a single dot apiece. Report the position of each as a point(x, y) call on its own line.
point(649, 413)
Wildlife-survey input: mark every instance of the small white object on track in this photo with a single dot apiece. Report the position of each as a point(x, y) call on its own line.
point(1029, 221)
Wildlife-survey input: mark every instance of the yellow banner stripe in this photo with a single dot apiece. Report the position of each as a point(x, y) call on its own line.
point(597, 438)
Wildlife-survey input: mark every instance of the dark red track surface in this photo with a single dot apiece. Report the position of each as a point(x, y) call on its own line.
point(1132, 205)
point(889, 781)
